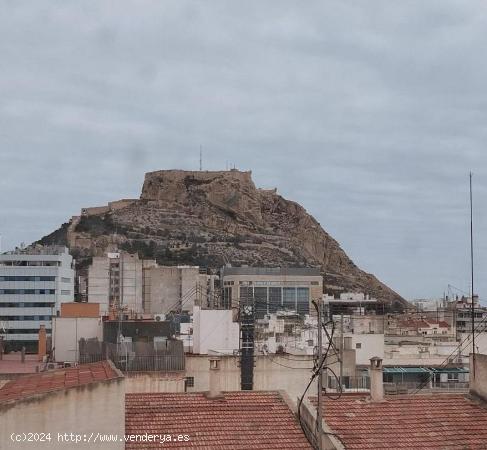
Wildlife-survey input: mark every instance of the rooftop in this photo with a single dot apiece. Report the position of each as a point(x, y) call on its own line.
point(36, 250)
point(428, 422)
point(57, 380)
point(12, 364)
point(240, 420)
point(279, 271)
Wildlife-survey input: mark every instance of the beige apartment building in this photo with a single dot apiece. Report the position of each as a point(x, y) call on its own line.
point(168, 288)
point(272, 289)
point(140, 286)
point(116, 279)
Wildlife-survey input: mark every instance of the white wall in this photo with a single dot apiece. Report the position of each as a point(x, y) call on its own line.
point(214, 329)
point(67, 332)
point(271, 372)
point(94, 408)
point(371, 345)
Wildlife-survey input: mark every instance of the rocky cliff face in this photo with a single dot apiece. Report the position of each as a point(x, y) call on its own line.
point(213, 218)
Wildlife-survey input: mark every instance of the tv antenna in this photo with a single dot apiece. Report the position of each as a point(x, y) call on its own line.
point(471, 275)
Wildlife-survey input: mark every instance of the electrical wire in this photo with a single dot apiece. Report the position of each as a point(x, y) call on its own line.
point(459, 348)
point(317, 371)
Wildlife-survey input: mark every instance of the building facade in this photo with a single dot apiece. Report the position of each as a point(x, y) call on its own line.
point(175, 288)
point(141, 286)
point(116, 280)
point(33, 284)
point(272, 289)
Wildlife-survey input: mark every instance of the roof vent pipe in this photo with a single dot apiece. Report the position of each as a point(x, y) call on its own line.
point(215, 389)
point(376, 380)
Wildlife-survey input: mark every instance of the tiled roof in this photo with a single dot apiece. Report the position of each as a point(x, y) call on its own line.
point(240, 420)
point(56, 380)
point(426, 422)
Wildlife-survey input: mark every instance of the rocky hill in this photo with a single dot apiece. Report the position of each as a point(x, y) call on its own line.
point(214, 218)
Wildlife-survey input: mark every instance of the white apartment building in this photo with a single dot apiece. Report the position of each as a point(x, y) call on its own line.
point(33, 284)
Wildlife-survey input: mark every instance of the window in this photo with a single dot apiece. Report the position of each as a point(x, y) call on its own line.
point(227, 298)
point(358, 345)
point(65, 280)
point(275, 299)
point(189, 382)
point(303, 300)
point(289, 298)
point(453, 377)
point(27, 291)
point(26, 278)
point(65, 292)
point(260, 296)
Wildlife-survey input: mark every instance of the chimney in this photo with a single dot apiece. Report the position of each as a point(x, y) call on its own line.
point(214, 392)
point(376, 380)
point(42, 342)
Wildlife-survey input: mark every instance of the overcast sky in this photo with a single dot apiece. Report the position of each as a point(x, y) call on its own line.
point(369, 114)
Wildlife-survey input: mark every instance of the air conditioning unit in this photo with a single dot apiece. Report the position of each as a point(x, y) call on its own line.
point(159, 317)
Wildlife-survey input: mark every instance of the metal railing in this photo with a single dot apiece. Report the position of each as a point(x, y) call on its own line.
point(362, 384)
point(408, 387)
point(137, 357)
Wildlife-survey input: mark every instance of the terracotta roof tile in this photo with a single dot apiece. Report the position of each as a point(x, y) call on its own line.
point(56, 380)
point(241, 420)
point(440, 421)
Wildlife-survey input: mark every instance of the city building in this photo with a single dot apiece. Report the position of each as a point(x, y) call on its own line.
point(463, 310)
point(140, 286)
point(439, 421)
point(272, 289)
point(352, 303)
point(115, 280)
point(176, 288)
point(33, 284)
point(76, 321)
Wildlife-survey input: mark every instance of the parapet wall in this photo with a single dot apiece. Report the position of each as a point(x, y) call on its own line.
point(478, 375)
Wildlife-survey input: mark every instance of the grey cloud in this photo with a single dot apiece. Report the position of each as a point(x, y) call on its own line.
point(369, 114)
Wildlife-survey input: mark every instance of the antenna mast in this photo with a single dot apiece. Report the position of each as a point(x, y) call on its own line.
point(471, 274)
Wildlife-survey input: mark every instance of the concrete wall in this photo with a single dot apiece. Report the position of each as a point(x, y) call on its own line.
point(66, 333)
point(76, 309)
point(165, 286)
point(136, 382)
point(370, 345)
point(128, 274)
point(95, 408)
point(309, 420)
point(214, 330)
point(131, 282)
point(99, 282)
point(271, 372)
point(478, 375)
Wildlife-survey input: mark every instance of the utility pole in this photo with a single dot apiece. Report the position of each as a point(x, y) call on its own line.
point(201, 158)
point(342, 344)
point(320, 375)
